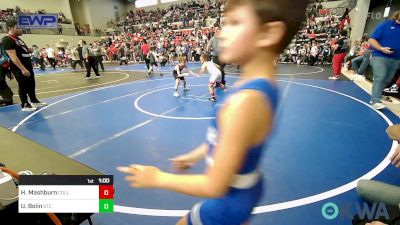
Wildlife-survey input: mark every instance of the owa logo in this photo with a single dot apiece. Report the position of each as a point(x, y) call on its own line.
point(372, 211)
point(37, 21)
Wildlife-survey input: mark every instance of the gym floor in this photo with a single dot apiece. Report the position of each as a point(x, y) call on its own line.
point(327, 136)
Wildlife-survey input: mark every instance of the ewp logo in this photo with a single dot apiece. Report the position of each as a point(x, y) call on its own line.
point(37, 21)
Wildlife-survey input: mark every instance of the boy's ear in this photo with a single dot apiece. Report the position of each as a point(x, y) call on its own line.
point(271, 34)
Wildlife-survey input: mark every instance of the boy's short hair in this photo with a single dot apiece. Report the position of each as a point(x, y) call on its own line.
point(396, 15)
point(205, 57)
point(291, 12)
point(182, 59)
point(343, 32)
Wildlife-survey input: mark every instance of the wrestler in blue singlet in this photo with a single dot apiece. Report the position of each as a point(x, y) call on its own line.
point(245, 192)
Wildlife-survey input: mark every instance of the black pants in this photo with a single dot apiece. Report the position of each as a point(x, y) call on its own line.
point(122, 61)
point(52, 62)
point(99, 60)
point(222, 65)
point(74, 62)
point(312, 60)
point(91, 63)
point(5, 91)
point(26, 87)
point(325, 59)
point(39, 61)
point(147, 61)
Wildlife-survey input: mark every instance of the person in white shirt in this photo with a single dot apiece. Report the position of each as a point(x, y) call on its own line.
point(75, 59)
point(294, 53)
point(215, 78)
point(51, 56)
point(313, 54)
point(303, 53)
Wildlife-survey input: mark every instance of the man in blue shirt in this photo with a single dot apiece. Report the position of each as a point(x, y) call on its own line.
point(386, 56)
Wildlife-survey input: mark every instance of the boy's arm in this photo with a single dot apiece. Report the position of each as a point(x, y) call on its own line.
point(14, 58)
point(200, 152)
point(394, 134)
point(237, 134)
point(203, 68)
point(193, 156)
point(191, 72)
point(375, 44)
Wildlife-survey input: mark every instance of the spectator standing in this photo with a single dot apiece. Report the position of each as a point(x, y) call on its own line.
point(385, 56)
point(339, 53)
point(213, 47)
point(51, 56)
point(21, 67)
point(89, 60)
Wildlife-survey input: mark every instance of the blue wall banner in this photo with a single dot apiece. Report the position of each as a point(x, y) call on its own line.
point(37, 21)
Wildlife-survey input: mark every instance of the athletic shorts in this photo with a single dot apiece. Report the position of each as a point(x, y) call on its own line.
point(233, 209)
point(215, 77)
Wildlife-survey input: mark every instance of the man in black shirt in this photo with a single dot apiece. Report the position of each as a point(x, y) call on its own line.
point(21, 67)
point(89, 60)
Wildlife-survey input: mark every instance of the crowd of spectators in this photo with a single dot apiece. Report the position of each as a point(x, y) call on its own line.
point(177, 16)
point(10, 13)
point(313, 43)
point(168, 43)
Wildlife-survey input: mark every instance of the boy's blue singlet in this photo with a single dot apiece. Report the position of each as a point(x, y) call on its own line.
point(236, 206)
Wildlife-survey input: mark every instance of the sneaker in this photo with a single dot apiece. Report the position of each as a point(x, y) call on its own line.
point(358, 77)
point(176, 94)
point(47, 173)
point(88, 78)
point(38, 104)
point(394, 89)
point(97, 77)
point(334, 78)
point(28, 108)
point(378, 105)
point(386, 99)
point(25, 172)
point(186, 89)
point(213, 99)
